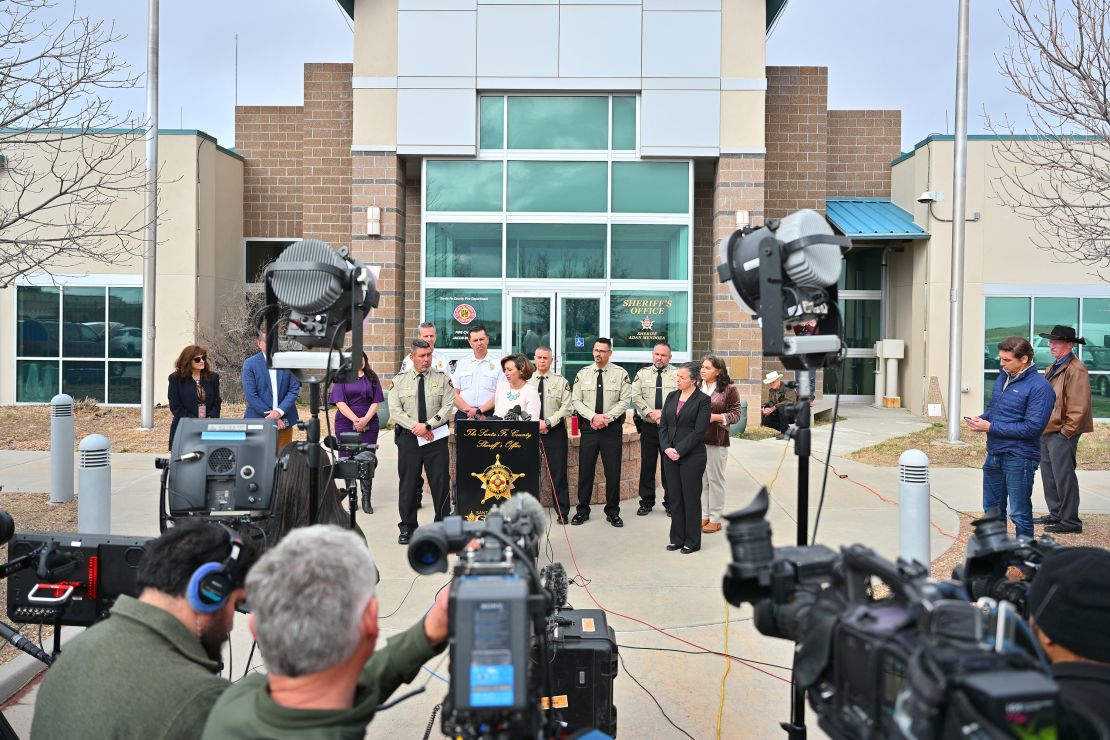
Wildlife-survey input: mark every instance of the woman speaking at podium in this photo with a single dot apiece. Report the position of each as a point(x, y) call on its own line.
point(514, 391)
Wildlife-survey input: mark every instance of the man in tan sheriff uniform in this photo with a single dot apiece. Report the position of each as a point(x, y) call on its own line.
point(555, 409)
point(650, 388)
point(420, 401)
point(601, 395)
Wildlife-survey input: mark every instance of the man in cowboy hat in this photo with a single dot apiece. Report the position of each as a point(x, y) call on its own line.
point(778, 397)
point(1071, 417)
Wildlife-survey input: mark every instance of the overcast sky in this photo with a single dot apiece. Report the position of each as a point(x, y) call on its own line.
point(880, 54)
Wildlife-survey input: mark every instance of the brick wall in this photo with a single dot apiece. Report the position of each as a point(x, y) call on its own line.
point(378, 179)
point(413, 241)
point(797, 120)
point(269, 139)
point(705, 256)
point(327, 153)
point(862, 144)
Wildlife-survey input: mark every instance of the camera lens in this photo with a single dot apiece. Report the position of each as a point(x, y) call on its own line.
point(428, 550)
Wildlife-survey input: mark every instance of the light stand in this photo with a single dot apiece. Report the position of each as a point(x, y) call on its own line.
point(314, 280)
point(786, 273)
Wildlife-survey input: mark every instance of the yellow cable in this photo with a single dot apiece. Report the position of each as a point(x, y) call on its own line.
point(728, 666)
point(785, 449)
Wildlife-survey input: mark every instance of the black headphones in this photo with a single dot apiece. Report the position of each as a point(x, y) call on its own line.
point(212, 583)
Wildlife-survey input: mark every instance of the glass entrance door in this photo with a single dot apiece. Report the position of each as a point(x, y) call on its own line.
point(860, 293)
point(569, 323)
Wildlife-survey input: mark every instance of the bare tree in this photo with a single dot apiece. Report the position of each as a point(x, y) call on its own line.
point(70, 164)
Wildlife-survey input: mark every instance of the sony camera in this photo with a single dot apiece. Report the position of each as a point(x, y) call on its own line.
point(883, 650)
point(522, 663)
point(361, 460)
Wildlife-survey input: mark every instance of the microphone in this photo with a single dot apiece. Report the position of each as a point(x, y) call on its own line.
point(24, 644)
point(526, 506)
point(517, 414)
point(190, 456)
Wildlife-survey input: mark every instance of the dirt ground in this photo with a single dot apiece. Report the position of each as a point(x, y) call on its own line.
point(28, 427)
point(33, 512)
point(1094, 449)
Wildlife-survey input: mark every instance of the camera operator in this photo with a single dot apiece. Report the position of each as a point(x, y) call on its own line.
point(314, 612)
point(150, 669)
point(1069, 609)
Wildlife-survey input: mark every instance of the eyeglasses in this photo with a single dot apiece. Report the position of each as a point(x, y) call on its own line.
point(200, 359)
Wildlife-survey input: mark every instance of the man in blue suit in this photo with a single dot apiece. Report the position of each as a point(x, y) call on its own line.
point(270, 394)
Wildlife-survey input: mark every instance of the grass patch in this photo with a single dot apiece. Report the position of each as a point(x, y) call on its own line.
point(1094, 449)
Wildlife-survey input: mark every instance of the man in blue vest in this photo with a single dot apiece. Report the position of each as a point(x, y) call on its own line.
point(1020, 406)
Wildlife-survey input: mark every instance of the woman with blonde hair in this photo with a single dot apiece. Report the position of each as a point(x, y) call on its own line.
point(724, 411)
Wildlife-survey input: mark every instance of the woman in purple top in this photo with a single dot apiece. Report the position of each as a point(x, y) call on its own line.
point(357, 411)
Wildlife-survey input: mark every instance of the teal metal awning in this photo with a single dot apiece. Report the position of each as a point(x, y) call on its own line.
point(871, 218)
point(774, 8)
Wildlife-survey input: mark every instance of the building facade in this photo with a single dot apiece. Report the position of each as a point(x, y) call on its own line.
point(78, 331)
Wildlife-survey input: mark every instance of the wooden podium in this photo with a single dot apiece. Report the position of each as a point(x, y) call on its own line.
point(494, 460)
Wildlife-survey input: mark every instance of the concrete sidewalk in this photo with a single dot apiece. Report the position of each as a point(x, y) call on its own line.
point(628, 571)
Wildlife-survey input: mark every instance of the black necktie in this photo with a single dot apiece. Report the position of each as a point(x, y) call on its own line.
point(421, 402)
point(542, 378)
point(658, 388)
point(599, 402)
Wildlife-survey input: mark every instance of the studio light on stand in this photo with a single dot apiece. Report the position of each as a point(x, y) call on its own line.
point(786, 273)
point(326, 293)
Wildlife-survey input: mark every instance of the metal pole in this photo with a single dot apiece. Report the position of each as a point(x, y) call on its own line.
point(61, 449)
point(913, 507)
point(94, 486)
point(146, 393)
point(959, 189)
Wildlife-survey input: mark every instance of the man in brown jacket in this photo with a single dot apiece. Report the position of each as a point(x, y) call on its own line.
point(1070, 418)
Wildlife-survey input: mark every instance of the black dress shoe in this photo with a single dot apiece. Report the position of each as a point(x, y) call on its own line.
point(1046, 519)
point(579, 519)
point(1059, 528)
point(561, 519)
point(688, 550)
point(643, 510)
point(616, 521)
point(672, 547)
point(403, 538)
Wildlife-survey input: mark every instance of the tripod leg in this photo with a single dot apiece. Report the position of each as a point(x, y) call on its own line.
point(352, 502)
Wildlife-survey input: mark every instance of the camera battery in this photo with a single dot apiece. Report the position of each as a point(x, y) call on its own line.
point(583, 663)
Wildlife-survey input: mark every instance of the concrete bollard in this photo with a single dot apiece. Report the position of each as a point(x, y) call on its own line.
point(94, 486)
point(913, 507)
point(61, 449)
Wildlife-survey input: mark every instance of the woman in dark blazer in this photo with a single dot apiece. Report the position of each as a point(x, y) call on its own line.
point(682, 439)
point(194, 390)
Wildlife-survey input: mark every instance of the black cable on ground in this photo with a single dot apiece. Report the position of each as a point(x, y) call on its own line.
point(652, 696)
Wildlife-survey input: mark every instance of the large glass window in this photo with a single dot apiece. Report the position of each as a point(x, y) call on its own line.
point(624, 123)
point(861, 322)
point(463, 185)
point(555, 251)
point(82, 340)
point(1096, 330)
point(493, 122)
point(544, 187)
point(649, 252)
point(640, 319)
point(651, 187)
point(454, 310)
point(463, 250)
point(1005, 317)
point(863, 269)
point(558, 122)
point(259, 253)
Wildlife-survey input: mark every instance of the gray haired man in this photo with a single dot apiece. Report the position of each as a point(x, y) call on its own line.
point(314, 613)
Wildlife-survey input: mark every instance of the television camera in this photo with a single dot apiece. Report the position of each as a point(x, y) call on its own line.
point(523, 664)
point(884, 651)
point(357, 468)
point(992, 556)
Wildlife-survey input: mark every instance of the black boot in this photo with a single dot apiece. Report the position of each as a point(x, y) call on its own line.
point(366, 506)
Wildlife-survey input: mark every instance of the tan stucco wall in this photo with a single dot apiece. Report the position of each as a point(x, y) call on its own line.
point(374, 117)
point(999, 249)
point(375, 38)
point(743, 38)
point(190, 216)
point(743, 121)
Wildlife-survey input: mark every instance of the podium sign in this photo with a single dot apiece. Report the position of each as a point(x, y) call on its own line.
point(494, 460)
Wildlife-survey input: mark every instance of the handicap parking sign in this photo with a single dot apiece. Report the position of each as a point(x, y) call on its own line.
point(579, 342)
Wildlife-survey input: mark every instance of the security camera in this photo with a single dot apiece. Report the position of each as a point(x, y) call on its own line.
point(930, 196)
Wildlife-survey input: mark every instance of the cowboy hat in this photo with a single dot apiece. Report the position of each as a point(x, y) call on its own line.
point(772, 376)
point(1064, 334)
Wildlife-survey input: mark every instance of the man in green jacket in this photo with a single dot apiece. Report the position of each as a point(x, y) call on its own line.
point(314, 613)
point(151, 670)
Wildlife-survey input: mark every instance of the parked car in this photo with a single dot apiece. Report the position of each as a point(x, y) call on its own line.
point(126, 341)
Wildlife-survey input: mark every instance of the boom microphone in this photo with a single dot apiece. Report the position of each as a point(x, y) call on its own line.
point(24, 644)
point(526, 506)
